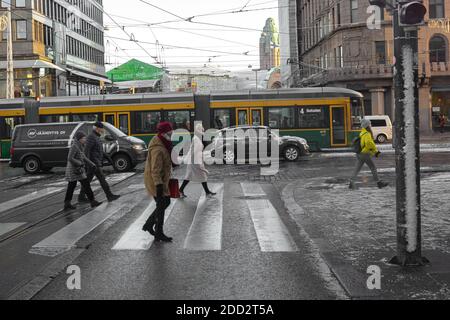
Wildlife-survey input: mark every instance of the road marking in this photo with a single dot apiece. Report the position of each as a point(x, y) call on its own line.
point(135, 239)
point(8, 227)
point(205, 233)
point(28, 198)
point(67, 237)
point(272, 234)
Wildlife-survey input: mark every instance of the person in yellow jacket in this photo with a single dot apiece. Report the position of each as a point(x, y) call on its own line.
point(368, 151)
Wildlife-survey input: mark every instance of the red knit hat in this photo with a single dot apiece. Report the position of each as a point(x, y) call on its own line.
point(164, 127)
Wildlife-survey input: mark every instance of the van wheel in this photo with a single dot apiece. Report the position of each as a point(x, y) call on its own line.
point(292, 153)
point(32, 165)
point(122, 163)
point(381, 139)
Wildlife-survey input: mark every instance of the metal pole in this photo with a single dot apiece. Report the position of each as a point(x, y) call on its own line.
point(407, 146)
point(10, 61)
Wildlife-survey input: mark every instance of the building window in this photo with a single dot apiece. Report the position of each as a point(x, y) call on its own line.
point(338, 10)
point(437, 9)
point(20, 3)
point(21, 29)
point(354, 11)
point(438, 49)
point(341, 57)
point(380, 52)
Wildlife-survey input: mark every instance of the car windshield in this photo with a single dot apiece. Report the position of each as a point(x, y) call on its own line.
point(114, 130)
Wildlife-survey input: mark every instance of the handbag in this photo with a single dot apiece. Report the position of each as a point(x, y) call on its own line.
point(174, 189)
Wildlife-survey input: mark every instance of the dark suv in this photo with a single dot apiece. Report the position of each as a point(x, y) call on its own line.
point(41, 147)
point(232, 141)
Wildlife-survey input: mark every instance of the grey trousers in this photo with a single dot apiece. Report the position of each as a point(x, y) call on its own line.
point(364, 158)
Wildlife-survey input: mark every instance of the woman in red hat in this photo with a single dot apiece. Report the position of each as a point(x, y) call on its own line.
point(158, 170)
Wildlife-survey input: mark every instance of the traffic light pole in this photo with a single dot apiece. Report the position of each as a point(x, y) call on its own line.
point(407, 145)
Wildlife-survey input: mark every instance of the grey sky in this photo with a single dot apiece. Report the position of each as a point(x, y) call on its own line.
point(230, 40)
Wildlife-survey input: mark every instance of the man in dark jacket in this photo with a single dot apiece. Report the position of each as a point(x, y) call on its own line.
point(94, 152)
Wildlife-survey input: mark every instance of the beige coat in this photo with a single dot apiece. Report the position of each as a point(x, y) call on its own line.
point(158, 168)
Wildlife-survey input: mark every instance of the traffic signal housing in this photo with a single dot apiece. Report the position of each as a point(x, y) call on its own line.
point(412, 13)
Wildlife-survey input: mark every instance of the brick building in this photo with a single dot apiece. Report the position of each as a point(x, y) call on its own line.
point(58, 47)
point(338, 48)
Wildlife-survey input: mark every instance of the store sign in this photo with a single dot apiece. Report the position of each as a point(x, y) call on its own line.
point(443, 24)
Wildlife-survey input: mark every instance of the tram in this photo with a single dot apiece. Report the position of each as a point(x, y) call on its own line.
point(326, 117)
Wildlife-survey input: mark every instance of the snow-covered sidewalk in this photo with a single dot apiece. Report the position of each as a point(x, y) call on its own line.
point(357, 229)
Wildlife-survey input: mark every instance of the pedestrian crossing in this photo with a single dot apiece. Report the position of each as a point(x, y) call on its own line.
point(205, 232)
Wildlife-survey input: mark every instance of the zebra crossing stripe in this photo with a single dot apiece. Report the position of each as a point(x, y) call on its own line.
point(28, 198)
point(8, 227)
point(135, 239)
point(271, 232)
point(205, 233)
point(67, 237)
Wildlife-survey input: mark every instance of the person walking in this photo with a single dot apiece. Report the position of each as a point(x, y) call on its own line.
point(158, 169)
point(196, 170)
point(442, 122)
point(94, 152)
point(368, 150)
point(75, 171)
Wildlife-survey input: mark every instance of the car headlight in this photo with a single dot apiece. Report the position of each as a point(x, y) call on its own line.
point(138, 147)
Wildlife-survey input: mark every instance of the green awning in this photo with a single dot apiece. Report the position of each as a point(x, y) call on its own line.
point(135, 70)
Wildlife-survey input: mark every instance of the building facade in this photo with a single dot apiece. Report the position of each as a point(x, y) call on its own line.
point(269, 46)
point(341, 44)
point(58, 47)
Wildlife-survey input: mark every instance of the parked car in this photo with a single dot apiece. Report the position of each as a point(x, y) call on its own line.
point(229, 141)
point(381, 127)
point(41, 147)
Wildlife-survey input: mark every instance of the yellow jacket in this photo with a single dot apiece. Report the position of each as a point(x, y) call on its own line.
point(367, 144)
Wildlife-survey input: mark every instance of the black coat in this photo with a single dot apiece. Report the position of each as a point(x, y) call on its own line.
point(94, 149)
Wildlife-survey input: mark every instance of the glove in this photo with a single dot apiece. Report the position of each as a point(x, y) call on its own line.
point(159, 191)
point(378, 154)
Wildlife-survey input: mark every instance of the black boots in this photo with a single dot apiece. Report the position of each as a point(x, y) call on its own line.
point(113, 197)
point(95, 203)
point(382, 184)
point(149, 226)
point(68, 206)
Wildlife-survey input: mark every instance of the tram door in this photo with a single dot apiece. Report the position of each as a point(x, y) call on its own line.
point(120, 120)
point(338, 126)
point(250, 116)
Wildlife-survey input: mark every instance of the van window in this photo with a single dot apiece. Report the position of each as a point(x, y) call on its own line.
point(378, 123)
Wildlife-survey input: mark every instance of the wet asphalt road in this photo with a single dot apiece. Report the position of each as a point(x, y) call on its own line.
point(241, 269)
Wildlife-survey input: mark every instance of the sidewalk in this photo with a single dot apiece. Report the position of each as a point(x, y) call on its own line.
point(354, 230)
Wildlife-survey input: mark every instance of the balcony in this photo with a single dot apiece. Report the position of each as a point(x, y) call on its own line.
point(361, 72)
point(440, 68)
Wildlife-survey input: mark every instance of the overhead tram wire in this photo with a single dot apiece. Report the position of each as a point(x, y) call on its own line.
point(182, 47)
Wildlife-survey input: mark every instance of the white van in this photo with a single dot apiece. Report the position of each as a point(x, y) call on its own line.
point(381, 127)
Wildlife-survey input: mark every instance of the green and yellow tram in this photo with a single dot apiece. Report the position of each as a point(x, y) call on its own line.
point(326, 117)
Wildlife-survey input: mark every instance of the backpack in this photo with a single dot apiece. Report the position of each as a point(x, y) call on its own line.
point(357, 144)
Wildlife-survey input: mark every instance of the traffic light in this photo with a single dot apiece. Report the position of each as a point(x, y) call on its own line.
point(412, 13)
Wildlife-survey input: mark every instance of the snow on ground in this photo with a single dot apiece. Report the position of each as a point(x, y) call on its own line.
point(362, 223)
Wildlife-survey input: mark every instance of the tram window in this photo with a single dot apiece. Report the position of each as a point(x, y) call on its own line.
point(180, 119)
point(357, 113)
point(146, 122)
point(54, 118)
point(222, 119)
point(282, 118)
point(84, 117)
point(7, 126)
point(314, 117)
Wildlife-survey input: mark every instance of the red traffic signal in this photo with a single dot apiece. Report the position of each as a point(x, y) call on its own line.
point(412, 13)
